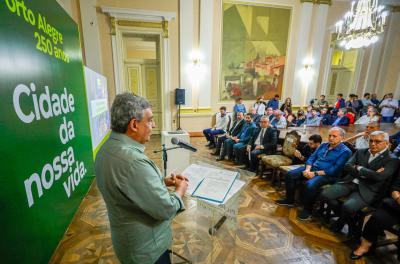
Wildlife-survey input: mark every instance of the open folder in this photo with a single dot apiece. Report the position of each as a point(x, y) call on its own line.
point(209, 183)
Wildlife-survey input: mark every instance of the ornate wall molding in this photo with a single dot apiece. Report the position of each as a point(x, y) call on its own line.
point(317, 2)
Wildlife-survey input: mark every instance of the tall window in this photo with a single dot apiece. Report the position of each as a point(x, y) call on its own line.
point(342, 74)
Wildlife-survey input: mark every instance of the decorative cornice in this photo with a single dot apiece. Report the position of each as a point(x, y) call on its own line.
point(138, 14)
point(131, 23)
point(317, 2)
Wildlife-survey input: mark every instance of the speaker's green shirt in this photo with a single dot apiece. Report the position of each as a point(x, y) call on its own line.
point(139, 206)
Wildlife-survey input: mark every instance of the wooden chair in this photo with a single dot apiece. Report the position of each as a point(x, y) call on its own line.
point(292, 140)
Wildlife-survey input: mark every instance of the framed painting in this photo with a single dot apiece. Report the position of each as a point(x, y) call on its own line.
point(254, 44)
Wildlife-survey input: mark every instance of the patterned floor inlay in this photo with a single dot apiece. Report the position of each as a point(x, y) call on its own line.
point(262, 232)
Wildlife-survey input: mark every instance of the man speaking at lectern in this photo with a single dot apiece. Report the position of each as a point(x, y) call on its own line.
point(139, 206)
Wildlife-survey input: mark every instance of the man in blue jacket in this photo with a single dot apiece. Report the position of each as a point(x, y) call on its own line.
point(274, 102)
point(240, 140)
point(324, 167)
point(342, 119)
point(326, 117)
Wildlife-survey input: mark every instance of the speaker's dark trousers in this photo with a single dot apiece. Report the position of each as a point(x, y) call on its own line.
point(312, 186)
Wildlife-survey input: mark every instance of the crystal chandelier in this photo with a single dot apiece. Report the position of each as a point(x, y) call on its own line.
point(361, 25)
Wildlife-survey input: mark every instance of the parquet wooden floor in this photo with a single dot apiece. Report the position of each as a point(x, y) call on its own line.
point(266, 233)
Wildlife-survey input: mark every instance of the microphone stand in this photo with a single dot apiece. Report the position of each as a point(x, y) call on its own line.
point(165, 159)
point(165, 156)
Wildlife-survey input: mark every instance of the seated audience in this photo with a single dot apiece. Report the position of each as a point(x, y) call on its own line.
point(239, 107)
point(309, 109)
point(341, 119)
point(350, 103)
point(269, 113)
point(396, 151)
point(301, 118)
point(351, 115)
point(302, 153)
point(260, 105)
point(359, 105)
point(326, 117)
point(385, 217)
point(314, 119)
point(388, 107)
point(274, 102)
point(263, 141)
point(395, 138)
point(370, 116)
point(322, 103)
point(219, 128)
point(290, 118)
point(279, 121)
point(340, 103)
point(375, 100)
point(233, 132)
point(256, 116)
point(361, 140)
point(286, 105)
point(366, 102)
point(368, 174)
point(239, 141)
point(323, 167)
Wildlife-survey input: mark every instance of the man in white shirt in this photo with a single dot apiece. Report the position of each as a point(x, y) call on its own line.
point(259, 106)
point(388, 106)
point(362, 139)
point(220, 127)
point(370, 116)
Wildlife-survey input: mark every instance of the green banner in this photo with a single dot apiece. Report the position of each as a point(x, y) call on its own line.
point(45, 146)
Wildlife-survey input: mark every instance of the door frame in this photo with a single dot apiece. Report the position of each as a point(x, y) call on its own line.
point(134, 21)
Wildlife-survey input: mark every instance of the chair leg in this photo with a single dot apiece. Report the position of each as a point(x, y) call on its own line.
point(278, 177)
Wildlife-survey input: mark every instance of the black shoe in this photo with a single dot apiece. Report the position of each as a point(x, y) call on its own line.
point(355, 257)
point(219, 159)
point(304, 216)
point(337, 226)
point(216, 153)
point(284, 202)
point(211, 146)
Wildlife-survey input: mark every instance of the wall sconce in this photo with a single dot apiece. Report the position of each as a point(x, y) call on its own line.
point(196, 69)
point(307, 72)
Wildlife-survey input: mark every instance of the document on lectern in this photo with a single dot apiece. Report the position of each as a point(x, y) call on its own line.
point(209, 183)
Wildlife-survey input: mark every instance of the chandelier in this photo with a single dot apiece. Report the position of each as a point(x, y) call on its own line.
point(361, 25)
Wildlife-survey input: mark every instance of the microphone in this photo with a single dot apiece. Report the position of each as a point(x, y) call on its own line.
point(183, 144)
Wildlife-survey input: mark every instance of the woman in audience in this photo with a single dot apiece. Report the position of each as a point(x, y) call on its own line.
point(290, 118)
point(371, 116)
point(287, 112)
point(351, 115)
point(286, 104)
point(383, 218)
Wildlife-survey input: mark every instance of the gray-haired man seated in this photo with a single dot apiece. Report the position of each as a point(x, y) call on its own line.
point(368, 174)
